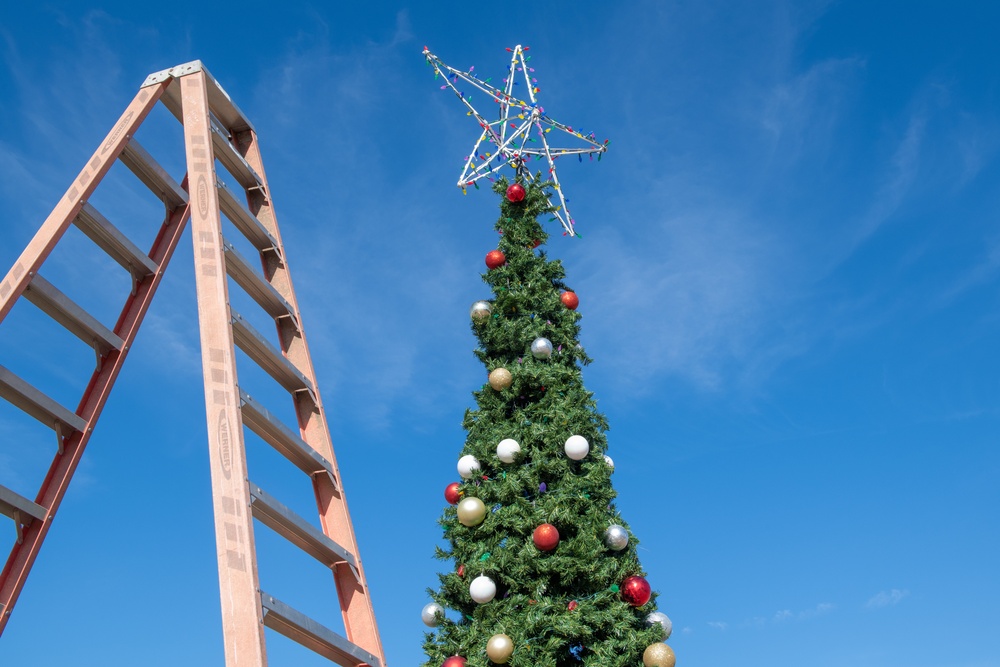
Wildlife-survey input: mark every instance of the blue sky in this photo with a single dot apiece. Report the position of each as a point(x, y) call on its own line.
point(789, 278)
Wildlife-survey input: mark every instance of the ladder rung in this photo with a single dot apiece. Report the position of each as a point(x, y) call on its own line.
point(75, 319)
point(37, 404)
point(297, 530)
point(300, 628)
point(267, 356)
point(113, 242)
point(152, 174)
point(230, 157)
point(244, 220)
point(279, 436)
point(254, 284)
point(12, 503)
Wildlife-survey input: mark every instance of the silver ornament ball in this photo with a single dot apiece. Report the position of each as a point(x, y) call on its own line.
point(432, 614)
point(661, 619)
point(610, 462)
point(480, 310)
point(616, 537)
point(541, 348)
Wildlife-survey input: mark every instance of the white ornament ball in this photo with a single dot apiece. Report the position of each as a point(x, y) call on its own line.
point(661, 619)
point(616, 537)
point(610, 462)
point(508, 449)
point(482, 589)
point(432, 614)
point(480, 310)
point(577, 447)
point(541, 348)
point(467, 466)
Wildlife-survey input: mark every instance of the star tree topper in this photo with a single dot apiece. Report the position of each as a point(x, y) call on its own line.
point(511, 133)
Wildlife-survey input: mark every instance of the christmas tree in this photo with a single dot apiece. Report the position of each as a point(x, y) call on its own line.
point(545, 572)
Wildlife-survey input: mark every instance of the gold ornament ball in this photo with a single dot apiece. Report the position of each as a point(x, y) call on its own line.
point(499, 649)
point(501, 378)
point(658, 655)
point(471, 511)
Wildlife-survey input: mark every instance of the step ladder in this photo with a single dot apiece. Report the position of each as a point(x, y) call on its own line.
point(215, 131)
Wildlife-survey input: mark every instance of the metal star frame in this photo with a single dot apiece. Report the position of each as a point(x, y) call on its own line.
point(511, 133)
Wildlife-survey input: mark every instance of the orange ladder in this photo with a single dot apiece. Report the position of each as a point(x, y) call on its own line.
point(215, 133)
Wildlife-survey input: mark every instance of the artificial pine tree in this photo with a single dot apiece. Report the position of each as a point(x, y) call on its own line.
point(545, 572)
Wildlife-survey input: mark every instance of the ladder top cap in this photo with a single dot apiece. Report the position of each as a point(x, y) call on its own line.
point(219, 100)
point(174, 72)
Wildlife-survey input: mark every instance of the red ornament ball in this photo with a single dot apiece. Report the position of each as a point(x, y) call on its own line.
point(454, 661)
point(636, 591)
point(515, 192)
point(452, 493)
point(546, 537)
point(495, 258)
point(572, 605)
point(461, 570)
point(570, 300)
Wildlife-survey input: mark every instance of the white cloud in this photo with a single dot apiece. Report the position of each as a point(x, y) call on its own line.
point(787, 615)
point(818, 610)
point(801, 111)
point(898, 179)
point(887, 598)
point(718, 625)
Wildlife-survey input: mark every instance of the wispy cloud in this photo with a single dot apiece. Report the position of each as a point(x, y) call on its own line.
point(801, 111)
point(788, 615)
point(888, 598)
point(718, 625)
point(898, 179)
point(981, 273)
point(819, 610)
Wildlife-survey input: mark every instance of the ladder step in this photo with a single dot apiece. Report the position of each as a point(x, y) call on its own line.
point(298, 531)
point(113, 242)
point(284, 441)
point(153, 175)
point(300, 628)
point(244, 220)
point(75, 319)
point(37, 404)
point(267, 356)
point(254, 284)
point(227, 154)
point(19, 508)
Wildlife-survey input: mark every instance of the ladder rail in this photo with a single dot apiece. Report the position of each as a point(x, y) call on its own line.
point(354, 595)
point(69, 206)
point(242, 629)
